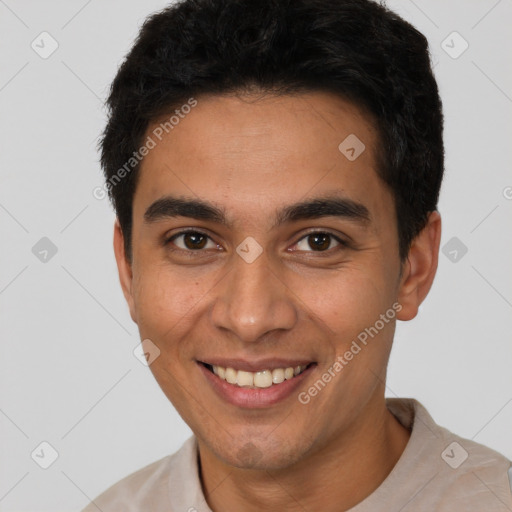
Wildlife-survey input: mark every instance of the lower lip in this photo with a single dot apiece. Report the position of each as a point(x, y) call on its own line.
point(254, 398)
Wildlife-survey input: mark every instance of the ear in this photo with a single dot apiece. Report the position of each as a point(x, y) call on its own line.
point(124, 268)
point(420, 268)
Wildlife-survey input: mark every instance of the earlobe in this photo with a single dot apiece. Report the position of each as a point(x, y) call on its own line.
point(124, 269)
point(420, 268)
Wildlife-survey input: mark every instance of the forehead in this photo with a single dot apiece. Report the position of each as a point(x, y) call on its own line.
point(249, 153)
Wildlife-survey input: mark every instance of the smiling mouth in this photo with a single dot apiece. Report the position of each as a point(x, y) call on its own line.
point(260, 379)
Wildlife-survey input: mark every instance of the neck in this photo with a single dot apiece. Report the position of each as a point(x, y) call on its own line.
point(335, 478)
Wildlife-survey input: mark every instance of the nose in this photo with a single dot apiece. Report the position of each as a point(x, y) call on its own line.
point(252, 301)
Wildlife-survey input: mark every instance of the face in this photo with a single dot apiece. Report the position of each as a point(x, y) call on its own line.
point(259, 246)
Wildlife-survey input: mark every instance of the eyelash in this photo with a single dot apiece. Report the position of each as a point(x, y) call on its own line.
point(342, 243)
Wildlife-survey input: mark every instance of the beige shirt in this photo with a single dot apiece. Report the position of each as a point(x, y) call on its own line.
point(438, 471)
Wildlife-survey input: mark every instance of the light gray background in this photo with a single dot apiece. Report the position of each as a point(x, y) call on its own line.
point(68, 373)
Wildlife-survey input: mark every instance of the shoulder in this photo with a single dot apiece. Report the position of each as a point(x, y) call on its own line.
point(151, 487)
point(467, 474)
point(480, 478)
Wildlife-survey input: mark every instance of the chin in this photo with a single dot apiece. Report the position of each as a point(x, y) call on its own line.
point(261, 454)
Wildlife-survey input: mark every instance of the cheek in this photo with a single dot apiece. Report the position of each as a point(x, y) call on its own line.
point(164, 301)
point(348, 303)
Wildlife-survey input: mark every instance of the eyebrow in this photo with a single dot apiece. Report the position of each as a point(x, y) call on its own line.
point(327, 206)
point(331, 206)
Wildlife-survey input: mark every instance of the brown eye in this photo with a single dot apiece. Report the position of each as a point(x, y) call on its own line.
point(318, 242)
point(192, 241)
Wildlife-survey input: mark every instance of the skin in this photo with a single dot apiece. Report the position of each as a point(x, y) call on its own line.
point(251, 156)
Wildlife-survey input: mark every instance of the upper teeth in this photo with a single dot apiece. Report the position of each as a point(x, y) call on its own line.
point(261, 379)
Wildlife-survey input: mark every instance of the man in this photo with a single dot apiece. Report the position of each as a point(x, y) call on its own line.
point(275, 167)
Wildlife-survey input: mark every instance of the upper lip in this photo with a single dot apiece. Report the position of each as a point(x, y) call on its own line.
point(256, 365)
